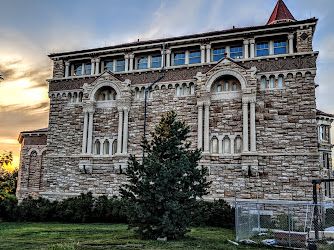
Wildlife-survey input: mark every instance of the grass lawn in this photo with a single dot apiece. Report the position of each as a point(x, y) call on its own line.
point(104, 236)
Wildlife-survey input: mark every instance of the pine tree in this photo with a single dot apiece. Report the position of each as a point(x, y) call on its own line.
point(162, 190)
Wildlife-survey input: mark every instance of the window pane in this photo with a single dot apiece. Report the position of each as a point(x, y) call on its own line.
point(262, 49)
point(219, 88)
point(88, 68)
point(77, 70)
point(195, 57)
point(121, 65)
point(271, 82)
point(263, 83)
point(236, 52)
point(179, 59)
point(279, 48)
point(226, 86)
point(178, 90)
point(192, 89)
point(142, 63)
point(110, 66)
point(218, 54)
point(184, 90)
point(156, 61)
point(280, 82)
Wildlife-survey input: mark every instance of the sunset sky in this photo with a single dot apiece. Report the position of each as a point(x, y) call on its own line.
point(30, 30)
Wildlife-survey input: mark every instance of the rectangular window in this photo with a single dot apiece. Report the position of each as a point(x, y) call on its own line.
point(88, 68)
point(120, 65)
point(109, 65)
point(236, 52)
point(142, 63)
point(279, 48)
point(179, 58)
point(156, 61)
point(195, 57)
point(218, 54)
point(77, 69)
point(262, 49)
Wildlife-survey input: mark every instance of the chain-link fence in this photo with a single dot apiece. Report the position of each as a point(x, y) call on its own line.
point(289, 224)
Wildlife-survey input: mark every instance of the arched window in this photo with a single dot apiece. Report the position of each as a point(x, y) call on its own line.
point(237, 145)
point(184, 89)
point(272, 82)
point(263, 82)
point(192, 88)
point(214, 145)
point(106, 147)
point(219, 88)
point(142, 92)
point(226, 86)
point(226, 145)
point(69, 97)
point(80, 96)
point(137, 93)
point(150, 93)
point(97, 147)
point(177, 90)
point(280, 81)
point(114, 147)
point(234, 87)
point(75, 97)
point(106, 93)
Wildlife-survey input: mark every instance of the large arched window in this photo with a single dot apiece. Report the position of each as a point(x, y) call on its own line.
point(106, 93)
point(106, 147)
point(226, 145)
point(214, 145)
point(225, 83)
point(237, 145)
point(97, 147)
point(114, 147)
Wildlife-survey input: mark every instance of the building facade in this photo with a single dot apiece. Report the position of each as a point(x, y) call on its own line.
point(248, 95)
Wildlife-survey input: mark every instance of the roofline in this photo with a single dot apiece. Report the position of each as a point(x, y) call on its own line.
point(170, 39)
point(322, 113)
point(35, 132)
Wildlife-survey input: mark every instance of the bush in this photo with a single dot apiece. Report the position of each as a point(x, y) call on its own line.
point(219, 214)
point(8, 208)
point(110, 210)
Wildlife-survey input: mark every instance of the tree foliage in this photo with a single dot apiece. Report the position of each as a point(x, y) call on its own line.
point(162, 190)
point(8, 180)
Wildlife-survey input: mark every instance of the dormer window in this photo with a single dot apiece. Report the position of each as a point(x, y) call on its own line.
point(156, 61)
point(236, 52)
point(279, 47)
point(179, 58)
point(142, 63)
point(195, 57)
point(218, 54)
point(120, 65)
point(262, 49)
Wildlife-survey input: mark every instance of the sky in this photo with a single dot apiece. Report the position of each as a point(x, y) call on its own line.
point(30, 30)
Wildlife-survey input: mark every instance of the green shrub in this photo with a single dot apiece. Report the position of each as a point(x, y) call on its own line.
point(220, 214)
point(111, 210)
point(8, 207)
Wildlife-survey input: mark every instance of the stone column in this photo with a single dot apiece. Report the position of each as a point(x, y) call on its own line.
point(252, 127)
point(83, 69)
point(232, 144)
point(200, 126)
point(208, 53)
point(271, 47)
point(228, 51)
point(84, 139)
point(131, 56)
point(186, 59)
point(125, 132)
point(120, 123)
point(90, 132)
point(206, 127)
point(246, 43)
point(126, 57)
point(202, 53)
point(220, 146)
point(290, 38)
point(168, 53)
point(67, 68)
point(162, 58)
point(97, 69)
point(245, 125)
point(252, 47)
point(92, 71)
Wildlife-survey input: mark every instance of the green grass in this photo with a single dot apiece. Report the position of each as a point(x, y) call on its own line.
point(105, 236)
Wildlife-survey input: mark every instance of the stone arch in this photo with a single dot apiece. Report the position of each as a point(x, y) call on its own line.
point(104, 84)
point(236, 74)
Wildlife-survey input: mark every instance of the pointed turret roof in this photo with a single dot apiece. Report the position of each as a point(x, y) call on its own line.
point(281, 13)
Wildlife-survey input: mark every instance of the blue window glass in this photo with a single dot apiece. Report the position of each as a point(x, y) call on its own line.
point(262, 49)
point(280, 81)
point(109, 65)
point(77, 70)
point(236, 52)
point(120, 65)
point(179, 59)
point(279, 48)
point(195, 57)
point(218, 54)
point(88, 68)
point(263, 82)
point(156, 61)
point(142, 63)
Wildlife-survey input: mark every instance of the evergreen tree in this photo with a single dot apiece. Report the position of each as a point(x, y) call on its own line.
point(162, 190)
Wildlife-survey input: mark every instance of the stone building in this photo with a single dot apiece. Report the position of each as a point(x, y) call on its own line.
point(248, 95)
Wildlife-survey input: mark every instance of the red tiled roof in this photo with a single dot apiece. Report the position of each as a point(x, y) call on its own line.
point(281, 12)
point(319, 112)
